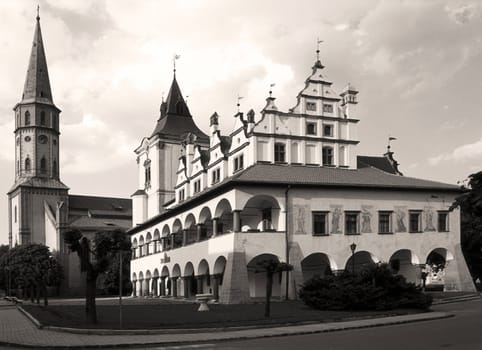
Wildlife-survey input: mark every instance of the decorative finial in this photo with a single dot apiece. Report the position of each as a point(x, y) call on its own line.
point(318, 42)
point(239, 99)
point(187, 96)
point(176, 57)
point(38, 12)
point(390, 138)
point(271, 89)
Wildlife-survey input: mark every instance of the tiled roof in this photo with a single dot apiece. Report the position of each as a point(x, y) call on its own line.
point(176, 120)
point(39, 182)
point(323, 176)
point(106, 204)
point(86, 222)
point(381, 163)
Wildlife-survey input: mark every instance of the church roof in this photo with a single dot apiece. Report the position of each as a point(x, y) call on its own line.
point(39, 182)
point(99, 213)
point(176, 121)
point(37, 82)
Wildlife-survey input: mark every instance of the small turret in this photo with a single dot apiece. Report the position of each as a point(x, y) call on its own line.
point(349, 100)
point(250, 121)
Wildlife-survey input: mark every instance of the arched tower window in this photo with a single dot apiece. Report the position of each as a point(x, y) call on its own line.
point(54, 120)
point(43, 165)
point(27, 118)
point(27, 164)
point(54, 167)
point(42, 118)
point(15, 214)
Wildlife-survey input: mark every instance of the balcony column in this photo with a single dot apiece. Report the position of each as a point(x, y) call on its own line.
point(186, 284)
point(215, 227)
point(198, 232)
point(155, 284)
point(184, 237)
point(215, 284)
point(174, 286)
point(236, 220)
point(134, 289)
point(162, 287)
point(199, 284)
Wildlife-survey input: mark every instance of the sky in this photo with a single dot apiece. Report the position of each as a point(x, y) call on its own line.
point(416, 65)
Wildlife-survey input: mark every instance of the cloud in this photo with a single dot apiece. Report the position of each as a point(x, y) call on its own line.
point(462, 14)
point(94, 147)
point(464, 153)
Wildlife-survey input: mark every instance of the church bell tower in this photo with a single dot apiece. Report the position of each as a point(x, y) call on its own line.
point(36, 200)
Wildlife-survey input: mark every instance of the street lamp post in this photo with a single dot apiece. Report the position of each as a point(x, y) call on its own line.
point(353, 248)
point(120, 289)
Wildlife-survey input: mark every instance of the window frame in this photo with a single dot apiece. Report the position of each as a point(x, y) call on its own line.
point(327, 107)
point(419, 221)
point(324, 149)
point(382, 213)
point(324, 214)
point(279, 152)
point(197, 186)
point(238, 163)
point(311, 106)
point(312, 132)
point(446, 221)
point(350, 213)
point(215, 176)
point(331, 127)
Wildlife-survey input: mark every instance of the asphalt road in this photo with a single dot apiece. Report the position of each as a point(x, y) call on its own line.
point(462, 332)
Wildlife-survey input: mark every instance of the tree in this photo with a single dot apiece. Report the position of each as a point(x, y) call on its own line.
point(33, 268)
point(271, 267)
point(96, 256)
point(470, 204)
point(109, 281)
point(3, 272)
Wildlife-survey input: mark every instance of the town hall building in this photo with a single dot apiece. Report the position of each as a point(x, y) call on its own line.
point(283, 186)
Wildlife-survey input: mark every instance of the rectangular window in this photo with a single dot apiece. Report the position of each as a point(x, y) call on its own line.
point(182, 195)
point(320, 223)
point(352, 226)
point(310, 128)
point(327, 155)
point(328, 130)
point(311, 106)
point(385, 222)
point(279, 153)
point(443, 221)
point(327, 108)
point(239, 163)
point(216, 175)
point(415, 221)
point(197, 186)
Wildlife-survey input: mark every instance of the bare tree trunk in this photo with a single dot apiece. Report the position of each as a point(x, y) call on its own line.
point(90, 308)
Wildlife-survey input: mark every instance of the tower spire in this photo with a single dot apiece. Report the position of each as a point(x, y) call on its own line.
point(37, 82)
point(318, 62)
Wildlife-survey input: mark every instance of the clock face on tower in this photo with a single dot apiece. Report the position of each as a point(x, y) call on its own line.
point(42, 139)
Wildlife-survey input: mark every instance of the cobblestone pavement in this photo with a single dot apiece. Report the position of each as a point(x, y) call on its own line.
point(17, 329)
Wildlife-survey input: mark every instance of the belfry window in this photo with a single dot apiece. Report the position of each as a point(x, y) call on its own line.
point(43, 165)
point(147, 173)
point(54, 167)
point(27, 164)
point(27, 118)
point(42, 118)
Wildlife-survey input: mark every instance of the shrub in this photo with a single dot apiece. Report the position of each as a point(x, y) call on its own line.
point(375, 288)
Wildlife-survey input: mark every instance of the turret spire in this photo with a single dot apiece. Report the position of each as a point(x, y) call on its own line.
point(37, 83)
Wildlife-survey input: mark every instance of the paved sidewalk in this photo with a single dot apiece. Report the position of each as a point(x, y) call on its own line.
point(16, 329)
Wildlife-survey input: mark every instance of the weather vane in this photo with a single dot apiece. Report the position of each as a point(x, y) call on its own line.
point(318, 42)
point(271, 88)
point(390, 138)
point(176, 57)
point(239, 99)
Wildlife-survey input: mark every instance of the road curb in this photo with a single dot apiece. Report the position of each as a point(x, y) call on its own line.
point(270, 332)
